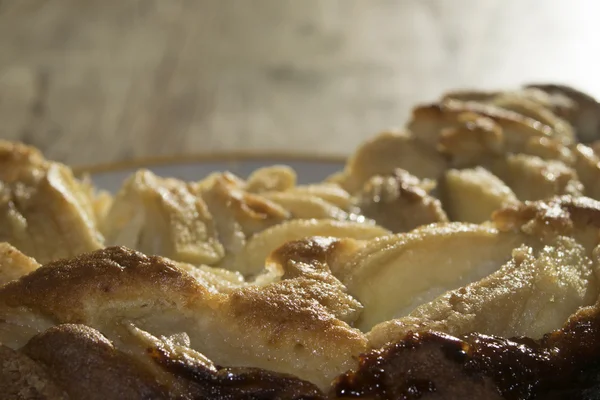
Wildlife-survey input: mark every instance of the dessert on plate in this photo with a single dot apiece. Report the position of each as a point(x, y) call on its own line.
point(456, 258)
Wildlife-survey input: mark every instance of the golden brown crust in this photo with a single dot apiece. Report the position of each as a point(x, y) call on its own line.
point(251, 260)
point(252, 212)
point(286, 326)
point(532, 178)
point(86, 365)
point(550, 107)
point(21, 378)
point(428, 122)
point(163, 216)
point(44, 211)
point(73, 290)
point(474, 138)
point(557, 216)
point(399, 202)
point(101, 372)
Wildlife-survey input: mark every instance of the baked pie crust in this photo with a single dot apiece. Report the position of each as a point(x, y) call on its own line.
point(457, 258)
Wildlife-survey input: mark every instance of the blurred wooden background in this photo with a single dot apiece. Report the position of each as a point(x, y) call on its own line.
point(98, 81)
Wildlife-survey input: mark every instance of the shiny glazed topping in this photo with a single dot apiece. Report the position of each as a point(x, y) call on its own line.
point(563, 364)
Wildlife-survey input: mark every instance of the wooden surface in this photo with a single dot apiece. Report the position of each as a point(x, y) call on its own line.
point(98, 81)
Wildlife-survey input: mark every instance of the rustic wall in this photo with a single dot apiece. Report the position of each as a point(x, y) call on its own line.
point(106, 80)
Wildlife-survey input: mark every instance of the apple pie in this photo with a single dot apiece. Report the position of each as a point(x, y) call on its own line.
point(457, 258)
